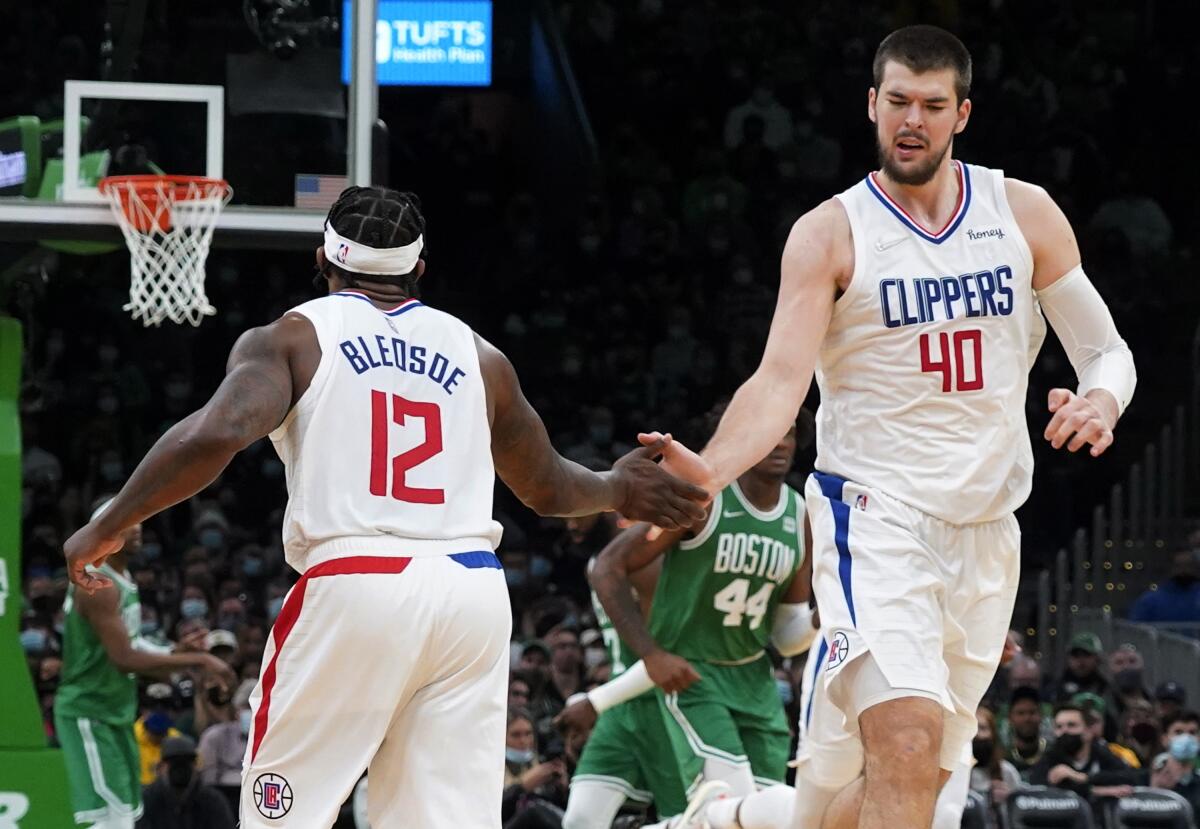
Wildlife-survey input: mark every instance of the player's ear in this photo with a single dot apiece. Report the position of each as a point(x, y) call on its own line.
point(321, 260)
point(871, 104)
point(420, 270)
point(964, 114)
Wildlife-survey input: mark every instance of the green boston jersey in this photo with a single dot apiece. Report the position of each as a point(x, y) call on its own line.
point(620, 655)
point(718, 591)
point(91, 686)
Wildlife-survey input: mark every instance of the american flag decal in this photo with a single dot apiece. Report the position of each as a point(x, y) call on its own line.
point(315, 192)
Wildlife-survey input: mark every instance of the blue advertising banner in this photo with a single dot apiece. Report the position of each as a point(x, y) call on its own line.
point(428, 42)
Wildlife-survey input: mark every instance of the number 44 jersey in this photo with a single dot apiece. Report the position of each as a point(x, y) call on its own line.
point(717, 593)
point(924, 367)
point(388, 452)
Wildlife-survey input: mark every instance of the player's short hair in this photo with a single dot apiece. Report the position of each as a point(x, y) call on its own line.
point(378, 217)
point(925, 48)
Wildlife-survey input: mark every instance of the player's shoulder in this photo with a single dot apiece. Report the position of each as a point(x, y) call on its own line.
point(823, 231)
point(1025, 198)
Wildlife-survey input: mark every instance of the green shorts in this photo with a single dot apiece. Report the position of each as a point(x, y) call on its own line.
point(103, 771)
point(630, 749)
point(733, 714)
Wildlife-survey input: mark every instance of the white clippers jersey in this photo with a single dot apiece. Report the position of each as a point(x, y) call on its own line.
point(924, 369)
point(389, 450)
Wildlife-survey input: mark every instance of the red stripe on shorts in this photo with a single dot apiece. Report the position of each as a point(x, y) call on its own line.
point(290, 613)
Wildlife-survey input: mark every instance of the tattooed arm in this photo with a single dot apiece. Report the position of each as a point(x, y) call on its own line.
point(268, 369)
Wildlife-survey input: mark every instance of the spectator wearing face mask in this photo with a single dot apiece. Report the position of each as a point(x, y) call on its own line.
point(1093, 714)
point(992, 776)
point(1074, 762)
point(1139, 731)
point(529, 785)
point(1169, 699)
point(1127, 669)
point(223, 746)
point(1177, 599)
point(1175, 768)
point(177, 799)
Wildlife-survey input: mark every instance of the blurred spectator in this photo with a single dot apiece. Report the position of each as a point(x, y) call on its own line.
point(1127, 669)
point(1169, 699)
point(1075, 763)
point(1136, 216)
point(518, 693)
point(762, 103)
point(1082, 673)
point(1094, 715)
point(1139, 731)
point(1175, 768)
point(222, 747)
point(153, 727)
point(582, 536)
point(531, 785)
point(177, 799)
point(993, 777)
point(1177, 599)
point(1026, 743)
point(566, 665)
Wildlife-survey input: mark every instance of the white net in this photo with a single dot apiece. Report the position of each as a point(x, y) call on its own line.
point(168, 226)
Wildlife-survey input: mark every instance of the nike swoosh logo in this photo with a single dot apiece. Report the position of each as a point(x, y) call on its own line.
point(735, 514)
point(884, 244)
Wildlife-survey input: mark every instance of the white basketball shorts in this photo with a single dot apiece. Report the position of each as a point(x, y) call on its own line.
point(396, 666)
point(929, 600)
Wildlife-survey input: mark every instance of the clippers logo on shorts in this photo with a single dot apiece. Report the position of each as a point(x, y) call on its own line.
point(272, 796)
point(839, 649)
point(343, 251)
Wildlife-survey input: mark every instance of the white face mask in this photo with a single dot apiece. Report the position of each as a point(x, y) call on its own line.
point(594, 656)
point(518, 756)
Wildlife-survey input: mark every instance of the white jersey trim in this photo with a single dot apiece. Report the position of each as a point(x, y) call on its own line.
point(769, 515)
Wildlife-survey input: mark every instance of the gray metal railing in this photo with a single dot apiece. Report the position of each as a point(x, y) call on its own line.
point(1168, 655)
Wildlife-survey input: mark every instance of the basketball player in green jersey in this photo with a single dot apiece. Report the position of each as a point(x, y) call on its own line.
point(96, 703)
point(740, 581)
point(628, 755)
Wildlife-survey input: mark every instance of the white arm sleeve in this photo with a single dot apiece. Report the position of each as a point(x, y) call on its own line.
point(1085, 327)
point(633, 682)
point(144, 645)
point(793, 630)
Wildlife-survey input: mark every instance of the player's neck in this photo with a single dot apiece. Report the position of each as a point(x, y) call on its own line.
point(383, 297)
point(932, 203)
point(761, 491)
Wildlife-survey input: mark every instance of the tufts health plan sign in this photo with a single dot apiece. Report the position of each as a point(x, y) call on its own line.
point(428, 42)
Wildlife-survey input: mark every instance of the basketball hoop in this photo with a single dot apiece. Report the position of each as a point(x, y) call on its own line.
point(168, 225)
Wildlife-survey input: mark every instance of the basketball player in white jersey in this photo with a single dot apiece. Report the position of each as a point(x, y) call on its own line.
point(913, 294)
point(392, 418)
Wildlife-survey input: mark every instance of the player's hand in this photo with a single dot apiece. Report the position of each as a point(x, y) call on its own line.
point(224, 676)
point(1080, 417)
point(88, 547)
point(578, 716)
point(194, 642)
point(1011, 648)
point(647, 492)
point(683, 463)
point(670, 672)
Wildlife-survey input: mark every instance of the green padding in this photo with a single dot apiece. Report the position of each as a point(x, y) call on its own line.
point(92, 168)
point(33, 790)
point(20, 721)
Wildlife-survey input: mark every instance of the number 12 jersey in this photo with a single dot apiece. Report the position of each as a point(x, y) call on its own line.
point(388, 452)
point(924, 368)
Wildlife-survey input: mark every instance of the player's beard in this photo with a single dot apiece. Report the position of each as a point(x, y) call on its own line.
point(915, 175)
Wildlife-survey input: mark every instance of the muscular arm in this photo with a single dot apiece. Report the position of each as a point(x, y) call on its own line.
point(1080, 319)
point(255, 396)
point(630, 551)
point(102, 612)
point(550, 484)
point(816, 256)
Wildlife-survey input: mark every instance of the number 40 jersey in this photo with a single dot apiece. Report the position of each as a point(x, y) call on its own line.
point(924, 367)
point(388, 452)
point(717, 593)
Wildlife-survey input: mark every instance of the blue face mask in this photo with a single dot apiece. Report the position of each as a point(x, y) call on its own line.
point(244, 720)
point(149, 629)
point(193, 608)
point(252, 567)
point(786, 694)
point(151, 552)
point(540, 567)
point(518, 756)
point(1185, 747)
point(274, 606)
point(34, 640)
